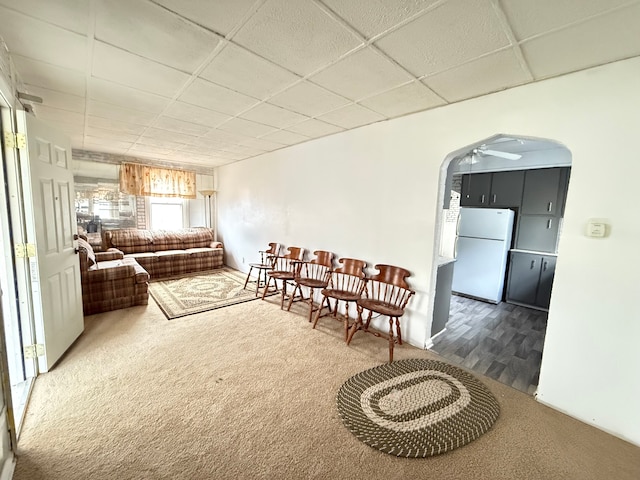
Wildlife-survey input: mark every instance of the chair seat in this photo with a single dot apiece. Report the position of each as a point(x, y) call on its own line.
point(341, 295)
point(281, 275)
point(380, 307)
point(260, 265)
point(311, 282)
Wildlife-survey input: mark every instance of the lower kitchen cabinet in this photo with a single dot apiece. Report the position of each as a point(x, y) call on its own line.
point(530, 279)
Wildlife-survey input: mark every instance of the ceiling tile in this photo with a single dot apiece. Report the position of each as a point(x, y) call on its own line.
point(50, 76)
point(220, 16)
point(271, 115)
point(115, 94)
point(244, 150)
point(195, 114)
point(64, 101)
point(119, 114)
point(533, 18)
point(226, 137)
point(371, 17)
point(308, 99)
point(56, 115)
point(237, 69)
point(296, 35)
point(110, 134)
point(125, 68)
point(114, 125)
point(491, 73)
point(315, 128)
point(410, 98)
point(180, 126)
point(99, 141)
point(246, 127)
point(184, 45)
point(351, 116)
point(613, 36)
point(42, 41)
point(69, 14)
point(165, 143)
point(104, 148)
point(160, 134)
point(149, 150)
point(262, 144)
point(288, 138)
point(209, 95)
point(361, 74)
point(445, 37)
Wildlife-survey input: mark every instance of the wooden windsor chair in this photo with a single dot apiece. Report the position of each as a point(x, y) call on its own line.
point(284, 269)
point(266, 263)
point(387, 294)
point(312, 275)
point(345, 285)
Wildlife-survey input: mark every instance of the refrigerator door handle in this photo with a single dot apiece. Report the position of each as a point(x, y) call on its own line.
point(455, 247)
point(458, 225)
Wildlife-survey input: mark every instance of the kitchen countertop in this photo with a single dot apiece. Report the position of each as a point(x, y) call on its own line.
point(518, 250)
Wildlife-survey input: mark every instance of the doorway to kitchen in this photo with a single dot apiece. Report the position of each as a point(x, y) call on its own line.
point(494, 278)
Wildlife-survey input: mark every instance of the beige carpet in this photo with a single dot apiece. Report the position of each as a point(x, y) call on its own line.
point(249, 392)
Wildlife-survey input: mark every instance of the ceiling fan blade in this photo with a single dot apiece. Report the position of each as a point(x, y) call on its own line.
point(497, 153)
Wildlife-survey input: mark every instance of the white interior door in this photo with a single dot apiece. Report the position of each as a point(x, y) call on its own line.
point(55, 270)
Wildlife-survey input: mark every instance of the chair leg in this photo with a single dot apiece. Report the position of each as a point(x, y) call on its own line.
point(317, 317)
point(247, 280)
point(310, 302)
point(391, 340)
point(297, 287)
point(284, 294)
point(266, 287)
point(398, 331)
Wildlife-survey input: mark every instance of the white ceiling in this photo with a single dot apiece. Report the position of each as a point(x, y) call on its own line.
point(208, 83)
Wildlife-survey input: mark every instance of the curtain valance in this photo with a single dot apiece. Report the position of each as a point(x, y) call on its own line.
point(143, 180)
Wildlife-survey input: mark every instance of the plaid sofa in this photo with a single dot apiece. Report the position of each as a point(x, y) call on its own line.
point(110, 281)
point(165, 253)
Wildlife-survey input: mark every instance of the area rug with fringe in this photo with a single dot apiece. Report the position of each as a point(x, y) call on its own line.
point(416, 407)
point(196, 293)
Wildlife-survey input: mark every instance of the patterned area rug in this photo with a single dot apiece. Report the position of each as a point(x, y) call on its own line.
point(200, 292)
point(416, 408)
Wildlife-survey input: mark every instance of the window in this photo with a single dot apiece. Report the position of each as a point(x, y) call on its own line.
point(100, 205)
point(166, 213)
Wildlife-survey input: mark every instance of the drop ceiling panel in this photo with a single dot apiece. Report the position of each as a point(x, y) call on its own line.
point(613, 36)
point(297, 35)
point(161, 134)
point(69, 14)
point(308, 99)
point(209, 95)
point(109, 134)
point(361, 74)
point(262, 144)
point(403, 100)
point(283, 136)
point(491, 73)
point(166, 144)
point(125, 68)
point(246, 127)
point(162, 36)
point(275, 116)
point(371, 17)
point(114, 125)
point(445, 37)
point(123, 96)
point(533, 18)
point(50, 76)
point(42, 41)
point(226, 137)
point(56, 115)
point(106, 142)
point(352, 116)
point(195, 114)
point(315, 128)
point(237, 69)
point(179, 126)
point(64, 101)
point(221, 16)
point(118, 114)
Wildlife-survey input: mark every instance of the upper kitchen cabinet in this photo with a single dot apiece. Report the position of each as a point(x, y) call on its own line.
point(499, 189)
point(475, 190)
point(544, 191)
point(506, 189)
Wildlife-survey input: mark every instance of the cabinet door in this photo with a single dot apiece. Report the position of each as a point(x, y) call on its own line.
point(506, 189)
point(524, 273)
point(547, 272)
point(475, 190)
point(540, 196)
point(537, 232)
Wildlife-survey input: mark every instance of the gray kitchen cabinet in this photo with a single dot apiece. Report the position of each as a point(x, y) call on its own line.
point(475, 190)
point(541, 193)
point(506, 189)
point(537, 232)
point(530, 279)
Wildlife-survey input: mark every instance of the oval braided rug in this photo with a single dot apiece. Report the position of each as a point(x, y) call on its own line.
point(416, 408)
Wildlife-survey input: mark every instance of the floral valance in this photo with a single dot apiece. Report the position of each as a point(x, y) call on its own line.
point(143, 180)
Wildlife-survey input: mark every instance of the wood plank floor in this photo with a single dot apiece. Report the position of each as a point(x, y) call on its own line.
point(502, 341)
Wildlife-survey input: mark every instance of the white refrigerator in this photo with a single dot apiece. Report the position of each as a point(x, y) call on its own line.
point(482, 246)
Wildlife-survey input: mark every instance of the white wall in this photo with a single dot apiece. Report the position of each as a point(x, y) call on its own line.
point(372, 193)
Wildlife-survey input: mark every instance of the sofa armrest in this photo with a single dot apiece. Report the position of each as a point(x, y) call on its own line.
point(215, 245)
point(107, 274)
point(111, 254)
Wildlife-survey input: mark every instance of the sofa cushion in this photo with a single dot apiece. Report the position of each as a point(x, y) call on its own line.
point(200, 252)
point(129, 240)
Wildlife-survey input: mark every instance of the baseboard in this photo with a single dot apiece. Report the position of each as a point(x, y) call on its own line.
point(429, 342)
point(7, 468)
